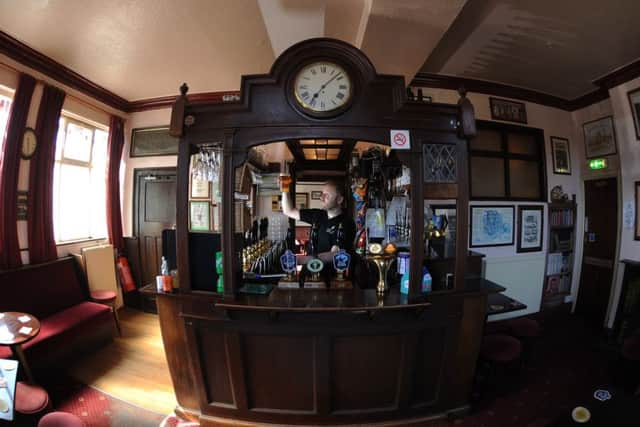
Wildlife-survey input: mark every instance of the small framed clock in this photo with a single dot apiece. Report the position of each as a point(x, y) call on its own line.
point(29, 143)
point(322, 89)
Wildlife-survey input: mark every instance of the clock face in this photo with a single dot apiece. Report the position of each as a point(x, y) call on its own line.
point(29, 143)
point(322, 87)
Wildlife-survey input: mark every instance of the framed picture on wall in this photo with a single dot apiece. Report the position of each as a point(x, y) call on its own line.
point(153, 141)
point(199, 216)
point(599, 137)
point(491, 226)
point(302, 200)
point(200, 189)
point(506, 110)
point(561, 156)
point(634, 102)
point(530, 228)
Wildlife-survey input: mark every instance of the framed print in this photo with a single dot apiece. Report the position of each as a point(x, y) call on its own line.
point(599, 137)
point(510, 111)
point(561, 156)
point(199, 216)
point(491, 226)
point(530, 228)
point(153, 141)
point(634, 102)
point(637, 233)
point(302, 200)
point(199, 189)
point(316, 195)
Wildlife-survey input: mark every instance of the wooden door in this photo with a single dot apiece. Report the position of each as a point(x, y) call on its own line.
point(154, 211)
point(600, 240)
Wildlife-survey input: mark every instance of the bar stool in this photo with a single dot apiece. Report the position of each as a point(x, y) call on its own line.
point(30, 401)
point(499, 354)
point(527, 331)
point(108, 298)
point(60, 419)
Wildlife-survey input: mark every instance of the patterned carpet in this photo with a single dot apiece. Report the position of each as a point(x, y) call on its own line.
point(95, 408)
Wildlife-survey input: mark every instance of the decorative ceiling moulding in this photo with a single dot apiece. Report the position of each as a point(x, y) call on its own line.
point(194, 98)
point(619, 76)
point(497, 89)
point(33, 59)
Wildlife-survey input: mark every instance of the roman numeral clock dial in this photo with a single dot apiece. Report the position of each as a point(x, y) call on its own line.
point(322, 87)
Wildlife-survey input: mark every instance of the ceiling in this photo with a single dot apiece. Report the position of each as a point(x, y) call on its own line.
point(145, 49)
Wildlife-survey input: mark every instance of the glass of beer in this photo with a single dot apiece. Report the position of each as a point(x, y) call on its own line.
point(284, 178)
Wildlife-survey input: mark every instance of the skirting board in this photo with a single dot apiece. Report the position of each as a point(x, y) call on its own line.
point(522, 275)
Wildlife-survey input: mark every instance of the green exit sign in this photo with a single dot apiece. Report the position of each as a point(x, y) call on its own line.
point(598, 164)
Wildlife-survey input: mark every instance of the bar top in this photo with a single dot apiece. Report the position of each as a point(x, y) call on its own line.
point(331, 300)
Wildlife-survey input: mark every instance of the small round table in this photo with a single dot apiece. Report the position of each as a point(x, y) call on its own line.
point(13, 334)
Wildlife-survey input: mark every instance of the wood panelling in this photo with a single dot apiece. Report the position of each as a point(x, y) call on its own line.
point(215, 366)
point(430, 351)
point(364, 373)
point(269, 359)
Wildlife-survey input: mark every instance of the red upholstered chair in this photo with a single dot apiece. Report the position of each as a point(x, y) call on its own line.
point(60, 419)
point(107, 298)
point(528, 331)
point(499, 356)
point(31, 401)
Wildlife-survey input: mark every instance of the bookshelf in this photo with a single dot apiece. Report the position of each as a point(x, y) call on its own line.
point(560, 255)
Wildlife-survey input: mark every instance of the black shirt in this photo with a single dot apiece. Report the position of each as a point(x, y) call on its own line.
point(328, 228)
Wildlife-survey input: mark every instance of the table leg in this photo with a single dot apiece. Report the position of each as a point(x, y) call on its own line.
point(17, 351)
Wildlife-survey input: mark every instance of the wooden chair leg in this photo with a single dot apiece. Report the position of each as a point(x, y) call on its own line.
point(114, 310)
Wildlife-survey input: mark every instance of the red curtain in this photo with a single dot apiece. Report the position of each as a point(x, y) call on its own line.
point(42, 245)
point(114, 217)
point(9, 163)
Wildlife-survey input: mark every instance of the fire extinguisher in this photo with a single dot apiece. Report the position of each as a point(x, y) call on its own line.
point(126, 279)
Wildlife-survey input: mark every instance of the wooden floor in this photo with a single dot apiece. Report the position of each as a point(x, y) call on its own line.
point(133, 367)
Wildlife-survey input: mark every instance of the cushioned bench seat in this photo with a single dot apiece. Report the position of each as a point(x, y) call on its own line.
point(57, 294)
point(64, 327)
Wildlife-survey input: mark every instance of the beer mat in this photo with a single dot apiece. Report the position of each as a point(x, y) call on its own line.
point(255, 289)
point(496, 307)
point(24, 319)
point(25, 330)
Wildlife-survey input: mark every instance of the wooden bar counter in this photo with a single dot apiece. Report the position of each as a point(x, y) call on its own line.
point(322, 357)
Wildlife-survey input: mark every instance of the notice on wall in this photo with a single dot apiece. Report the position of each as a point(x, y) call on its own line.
point(628, 215)
point(400, 139)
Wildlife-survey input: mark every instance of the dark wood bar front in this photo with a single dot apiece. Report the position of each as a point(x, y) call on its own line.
point(375, 353)
point(321, 357)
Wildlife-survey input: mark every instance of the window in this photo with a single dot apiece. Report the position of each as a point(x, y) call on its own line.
point(5, 108)
point(507, 162)
point(79, 181)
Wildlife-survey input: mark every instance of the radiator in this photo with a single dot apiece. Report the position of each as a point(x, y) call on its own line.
point(522, 275)
point(99, 265)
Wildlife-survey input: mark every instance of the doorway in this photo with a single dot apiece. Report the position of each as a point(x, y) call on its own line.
point(600, 242)
point(154, 210)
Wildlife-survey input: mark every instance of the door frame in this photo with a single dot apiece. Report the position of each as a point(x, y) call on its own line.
point(136, 200)
point(616, 281)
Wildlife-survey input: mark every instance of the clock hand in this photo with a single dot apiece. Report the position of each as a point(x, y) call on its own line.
point(315, 95)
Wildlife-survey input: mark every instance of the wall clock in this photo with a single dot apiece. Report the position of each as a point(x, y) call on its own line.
point(29, 143)
point(322, 88)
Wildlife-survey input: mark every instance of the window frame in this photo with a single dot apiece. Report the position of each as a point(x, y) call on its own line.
point(504, 130)
point(72, 118)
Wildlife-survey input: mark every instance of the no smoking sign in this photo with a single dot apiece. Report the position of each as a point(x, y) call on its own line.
point(400, 140)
